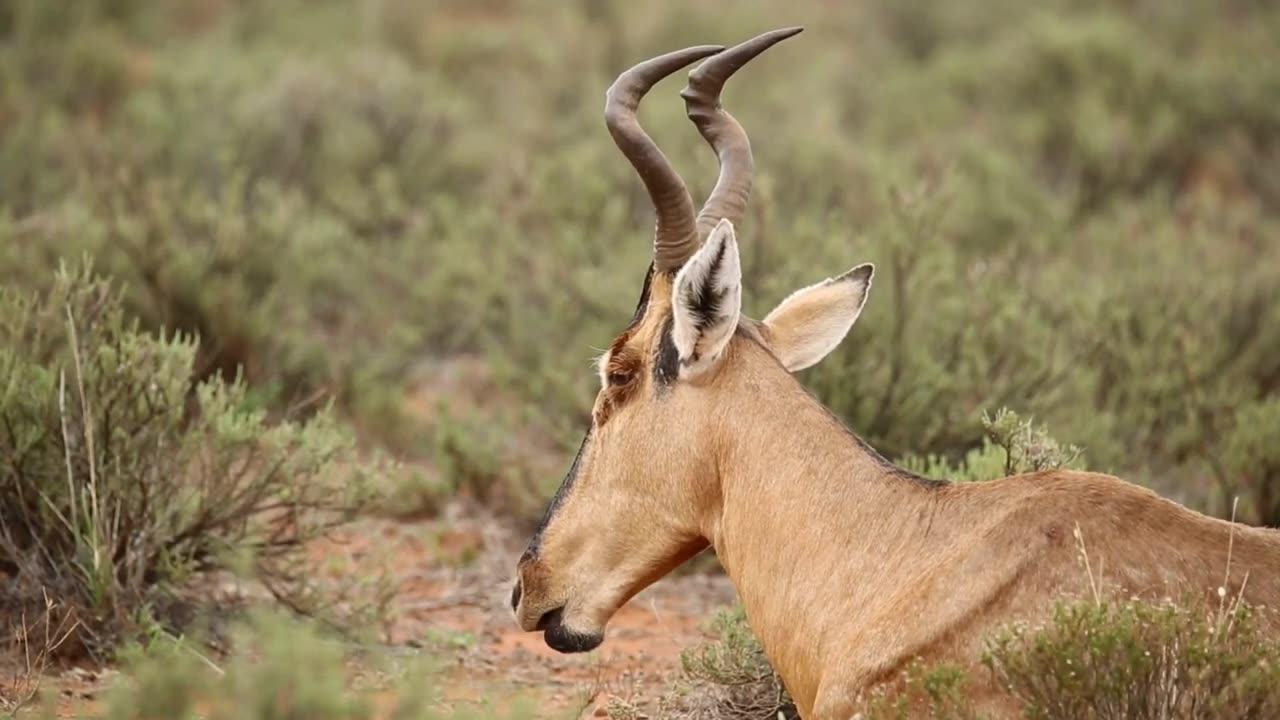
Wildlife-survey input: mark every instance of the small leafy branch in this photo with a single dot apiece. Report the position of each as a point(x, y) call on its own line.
point(1027, 446)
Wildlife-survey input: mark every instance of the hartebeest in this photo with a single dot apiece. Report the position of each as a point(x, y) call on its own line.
point(847, 565)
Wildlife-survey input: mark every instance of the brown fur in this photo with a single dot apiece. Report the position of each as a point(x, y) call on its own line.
point(847, 569)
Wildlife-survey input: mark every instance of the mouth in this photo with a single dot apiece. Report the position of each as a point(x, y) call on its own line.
point(562, 639)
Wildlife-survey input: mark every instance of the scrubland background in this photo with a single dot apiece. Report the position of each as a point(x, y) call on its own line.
point(405, 219)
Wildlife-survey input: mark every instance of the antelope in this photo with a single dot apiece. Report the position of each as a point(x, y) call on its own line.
point(848, 567)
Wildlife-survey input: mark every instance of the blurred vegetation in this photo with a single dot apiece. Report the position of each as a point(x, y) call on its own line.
point(283, 669)
point(1011, 445)
point(1073, 209)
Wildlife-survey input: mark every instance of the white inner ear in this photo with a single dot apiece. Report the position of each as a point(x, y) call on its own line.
point(707, 300)
point(812, 321)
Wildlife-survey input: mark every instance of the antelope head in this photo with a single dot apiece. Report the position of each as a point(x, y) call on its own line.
point(640, 497)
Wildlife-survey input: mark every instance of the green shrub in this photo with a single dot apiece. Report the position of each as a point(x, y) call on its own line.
point(331, 205)
point(937, 692)
point(282, 669)
point(122, 480)
point(1010, 446)
point(727, 678)
point(1251, 462)
point(737, 672)
point(1101, 660)
point(1136, 660)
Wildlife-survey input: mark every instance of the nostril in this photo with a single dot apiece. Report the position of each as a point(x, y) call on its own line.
point(551, 619)
point(515, 596)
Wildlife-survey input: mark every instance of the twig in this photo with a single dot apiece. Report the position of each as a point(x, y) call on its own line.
point(27, 680)
point(1084, 552)
point(66, 445)
point(87, 417)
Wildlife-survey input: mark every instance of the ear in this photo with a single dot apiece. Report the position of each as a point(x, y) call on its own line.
point(706, 300)
point(811, 322)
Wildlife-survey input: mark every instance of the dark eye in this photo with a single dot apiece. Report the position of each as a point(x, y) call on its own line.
point(619, 377)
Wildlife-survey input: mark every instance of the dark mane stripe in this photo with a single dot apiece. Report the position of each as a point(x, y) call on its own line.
point(643, 305)
point(751, 335)
point(558, 499)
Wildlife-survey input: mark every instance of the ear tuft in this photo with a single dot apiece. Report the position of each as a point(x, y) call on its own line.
point(861, 274)
point(812, 321)
point(707, 300)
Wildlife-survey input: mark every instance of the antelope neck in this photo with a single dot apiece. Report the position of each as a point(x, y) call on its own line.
point(806, 508)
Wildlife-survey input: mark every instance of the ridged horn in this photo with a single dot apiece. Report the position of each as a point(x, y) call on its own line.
point(722, 132)
point(675, 235)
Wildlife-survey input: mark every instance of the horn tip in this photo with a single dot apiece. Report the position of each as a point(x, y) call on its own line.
point(776, 36)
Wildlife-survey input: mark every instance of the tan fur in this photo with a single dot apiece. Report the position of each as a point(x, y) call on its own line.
point(813, 320)
point(847, 568)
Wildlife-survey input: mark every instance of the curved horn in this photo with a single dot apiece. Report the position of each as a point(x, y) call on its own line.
point(675, 237)
point(722, 131)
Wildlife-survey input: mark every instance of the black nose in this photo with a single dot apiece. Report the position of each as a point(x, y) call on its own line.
point(515, 596)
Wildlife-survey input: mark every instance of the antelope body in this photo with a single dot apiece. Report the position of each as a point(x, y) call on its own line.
point(848, 567)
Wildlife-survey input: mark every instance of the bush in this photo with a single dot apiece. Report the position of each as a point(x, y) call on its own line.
point(726, 678)
point(282, 669)
point(1137, 661)
point(937, 692)
point(1010, 446)
point(1252, 462)
point(1102, 660)
point(122, 480)
point(1068, 207)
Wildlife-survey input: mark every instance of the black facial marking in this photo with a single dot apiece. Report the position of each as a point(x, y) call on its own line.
point(644, 300)
point(558, 499)
point(666, 367)
point(704, 301)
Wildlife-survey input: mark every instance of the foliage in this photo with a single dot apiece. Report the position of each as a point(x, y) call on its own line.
point(121, 480)
point(1253, 458)
point(1067, 208)
point(726, 678)
point(281, 669)
point(1136, 660)
point(937, 692)
point(1010, 446)
point(735, 668)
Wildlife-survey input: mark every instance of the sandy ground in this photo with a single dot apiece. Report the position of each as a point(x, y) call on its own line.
point(452, 575)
